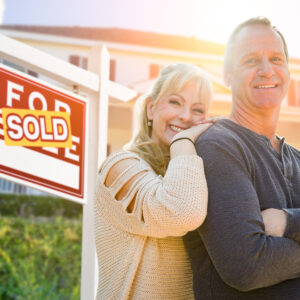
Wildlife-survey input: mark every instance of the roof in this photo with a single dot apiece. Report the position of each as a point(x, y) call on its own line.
point(126, 36)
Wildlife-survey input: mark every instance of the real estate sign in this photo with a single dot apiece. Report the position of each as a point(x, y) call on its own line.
point(42, 135)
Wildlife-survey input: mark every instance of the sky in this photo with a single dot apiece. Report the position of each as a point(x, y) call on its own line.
point(211, 20)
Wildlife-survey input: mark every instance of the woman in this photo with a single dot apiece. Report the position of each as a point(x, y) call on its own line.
point(155, 192)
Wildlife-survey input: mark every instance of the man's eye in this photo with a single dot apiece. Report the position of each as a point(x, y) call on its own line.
point(251, 61)
point(276, 59)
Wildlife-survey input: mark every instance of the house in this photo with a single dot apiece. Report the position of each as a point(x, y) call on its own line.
point(136, 59)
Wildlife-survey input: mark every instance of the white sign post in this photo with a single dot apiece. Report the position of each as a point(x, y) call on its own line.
point(52, 139)
point(99, 64)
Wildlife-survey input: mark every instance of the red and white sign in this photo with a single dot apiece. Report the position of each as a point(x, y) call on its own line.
point(42, 135)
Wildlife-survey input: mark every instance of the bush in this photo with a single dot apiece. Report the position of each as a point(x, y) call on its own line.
point(40, 257)
point(27, 205)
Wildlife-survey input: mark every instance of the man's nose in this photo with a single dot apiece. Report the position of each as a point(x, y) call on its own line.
point(265, 68)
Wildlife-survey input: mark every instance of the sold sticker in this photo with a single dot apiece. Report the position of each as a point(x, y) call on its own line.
point(36, 128)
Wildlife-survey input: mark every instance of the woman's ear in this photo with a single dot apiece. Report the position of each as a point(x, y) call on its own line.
point(150, 108)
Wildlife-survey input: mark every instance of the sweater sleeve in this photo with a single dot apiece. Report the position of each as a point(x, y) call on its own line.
point(164, 206)
point(292, 229)
point(233, 232)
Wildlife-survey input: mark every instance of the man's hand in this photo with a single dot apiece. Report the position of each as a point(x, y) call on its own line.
point(275, 221)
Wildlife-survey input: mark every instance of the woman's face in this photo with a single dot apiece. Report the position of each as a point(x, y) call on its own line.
point(176, 112)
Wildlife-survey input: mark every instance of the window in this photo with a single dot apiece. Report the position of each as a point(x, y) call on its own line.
point(84, 63)
point(12, 65)
point(294, 93)
point(112, 70)
point(154, 71)
point(79, 61)
point(108, 149)
point(19, 68)
point(74, 60)
point(19, 189)
point(6, 186)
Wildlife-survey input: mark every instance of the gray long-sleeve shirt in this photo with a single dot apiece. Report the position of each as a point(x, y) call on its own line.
point(231, 255)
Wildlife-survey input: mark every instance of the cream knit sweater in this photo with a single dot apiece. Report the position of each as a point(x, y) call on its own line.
point(141, 254)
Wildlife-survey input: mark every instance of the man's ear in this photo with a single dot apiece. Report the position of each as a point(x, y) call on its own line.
point(227, 78)
point(150, 108)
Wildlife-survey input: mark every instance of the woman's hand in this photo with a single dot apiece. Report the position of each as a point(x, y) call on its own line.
point(184, 141)
point(275, 221)
point(194, 132)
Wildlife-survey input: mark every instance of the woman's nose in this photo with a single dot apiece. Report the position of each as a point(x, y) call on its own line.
point(185, 115)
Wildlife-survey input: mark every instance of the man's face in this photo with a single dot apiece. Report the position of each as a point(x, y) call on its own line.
point(259, 76)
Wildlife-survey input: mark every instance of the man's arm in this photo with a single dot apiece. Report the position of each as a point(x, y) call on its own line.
point(233, 233)
point(292, 229)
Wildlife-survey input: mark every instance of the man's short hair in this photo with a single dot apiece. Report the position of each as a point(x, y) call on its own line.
point(253, 21)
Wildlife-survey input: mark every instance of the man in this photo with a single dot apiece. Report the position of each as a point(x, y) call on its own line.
point(249, 169)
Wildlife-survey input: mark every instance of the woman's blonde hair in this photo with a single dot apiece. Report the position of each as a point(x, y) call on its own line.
point(172, 79)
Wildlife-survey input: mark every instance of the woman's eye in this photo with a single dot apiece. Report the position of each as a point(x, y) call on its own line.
point(198, 110)
point(174, 101)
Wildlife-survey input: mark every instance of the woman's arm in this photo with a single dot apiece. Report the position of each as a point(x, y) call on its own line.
point(149, 204)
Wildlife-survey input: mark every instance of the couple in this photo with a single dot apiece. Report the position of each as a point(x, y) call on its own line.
point(247, 247)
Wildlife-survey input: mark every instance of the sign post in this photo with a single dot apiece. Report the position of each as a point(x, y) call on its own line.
point(52, 139)
point(98, 64)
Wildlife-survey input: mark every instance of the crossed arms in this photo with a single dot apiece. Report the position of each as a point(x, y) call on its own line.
point(233, 233)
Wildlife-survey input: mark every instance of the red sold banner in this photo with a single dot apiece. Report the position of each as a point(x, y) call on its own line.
point(42, 135)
